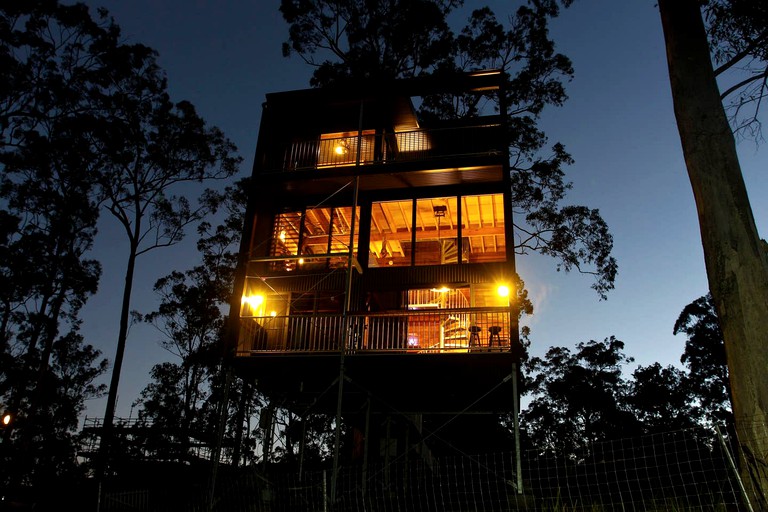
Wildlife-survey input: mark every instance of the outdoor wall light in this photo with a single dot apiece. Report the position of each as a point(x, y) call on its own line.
point(253, 301)
point(503, 291)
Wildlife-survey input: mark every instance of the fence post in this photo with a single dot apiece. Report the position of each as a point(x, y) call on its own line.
point(516, 425)
point(734, 469)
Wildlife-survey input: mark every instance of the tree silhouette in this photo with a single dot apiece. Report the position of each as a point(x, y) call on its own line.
point(578, 398)
point(660, 399)
point(51, 74)
point(180, 401)
point(152, 148)
point(704, 356)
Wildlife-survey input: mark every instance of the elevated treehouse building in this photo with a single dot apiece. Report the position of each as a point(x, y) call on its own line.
point(378, 265)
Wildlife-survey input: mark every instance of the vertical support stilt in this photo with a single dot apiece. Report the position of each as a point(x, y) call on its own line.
point(302, 446)
point(365, 444)
point(337, 435)
point(240, 419)
point(267, 423)
point(348, 327)
point(406, 451)
point(516, 423)
point(387, 442)
point(221, 427)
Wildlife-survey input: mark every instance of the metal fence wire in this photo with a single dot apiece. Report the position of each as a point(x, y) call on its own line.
point(686, 470)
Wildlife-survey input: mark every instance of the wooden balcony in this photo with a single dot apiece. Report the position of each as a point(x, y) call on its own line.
point(371, 149)
point(434, 331)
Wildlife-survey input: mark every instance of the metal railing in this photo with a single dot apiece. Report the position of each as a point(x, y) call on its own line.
point(437, 331)
point(387, 148)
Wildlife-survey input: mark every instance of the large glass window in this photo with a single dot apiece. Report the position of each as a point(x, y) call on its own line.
point(391, 234)
point(483, 228)
point(315, 231)
point(437, 222)
point(285, 237)
point(447, 230)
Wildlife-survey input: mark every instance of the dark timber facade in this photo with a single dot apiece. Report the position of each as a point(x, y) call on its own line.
point(378, 264)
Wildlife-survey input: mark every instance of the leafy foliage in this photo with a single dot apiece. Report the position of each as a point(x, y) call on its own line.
point(151, 149)
point(391, 38)
point(51, 74)
point(586, 395)
point(86, 123)
point(704, 356)
point(180, 402)
point(578, 397)
point(660, 399)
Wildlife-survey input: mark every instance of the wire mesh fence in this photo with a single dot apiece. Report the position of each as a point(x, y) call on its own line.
point(685, 470)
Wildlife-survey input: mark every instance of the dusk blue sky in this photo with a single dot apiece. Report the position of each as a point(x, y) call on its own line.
point(618, 124)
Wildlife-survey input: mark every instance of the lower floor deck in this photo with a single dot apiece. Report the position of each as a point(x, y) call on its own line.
point(464, 382)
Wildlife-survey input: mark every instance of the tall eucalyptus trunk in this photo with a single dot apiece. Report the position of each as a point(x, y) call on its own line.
point(735, 257)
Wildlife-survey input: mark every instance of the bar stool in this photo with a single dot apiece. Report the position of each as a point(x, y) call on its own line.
point(495, 332)
point(474, 335)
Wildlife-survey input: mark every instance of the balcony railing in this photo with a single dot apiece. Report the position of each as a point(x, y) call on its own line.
point(388, 148)
point(430, 331)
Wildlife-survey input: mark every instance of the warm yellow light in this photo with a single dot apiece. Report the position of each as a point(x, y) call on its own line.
point(444, 289)
point(6, 419)
point(339, 150)
point(282, 236)
point(253, 301)
point(503, 291)
point(273, 313)
point(301, 261)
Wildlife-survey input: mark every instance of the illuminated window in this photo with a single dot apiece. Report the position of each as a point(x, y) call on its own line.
point(391, 234)
point(340, 149)
point(483, 228)
point(437, 231)
point(316, 231)
point(412, 143)
point(442, 234)
point(263, 316)
point(285, 237)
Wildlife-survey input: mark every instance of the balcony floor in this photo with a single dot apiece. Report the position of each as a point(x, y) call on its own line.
point(402, 382)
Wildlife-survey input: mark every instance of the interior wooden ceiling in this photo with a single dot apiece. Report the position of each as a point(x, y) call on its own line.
point(483, 223)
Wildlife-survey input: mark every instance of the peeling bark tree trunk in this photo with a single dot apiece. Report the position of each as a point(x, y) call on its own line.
point(735, 259)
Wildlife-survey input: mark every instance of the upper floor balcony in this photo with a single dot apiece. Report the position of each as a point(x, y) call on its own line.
point(311, 140)
point(405, 149)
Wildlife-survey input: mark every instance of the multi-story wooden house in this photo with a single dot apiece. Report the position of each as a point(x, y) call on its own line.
point(379, 265)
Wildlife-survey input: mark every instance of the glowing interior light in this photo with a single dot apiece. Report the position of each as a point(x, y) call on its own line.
point(6, 419)
point(301, 261)
point(282, 236)
point(273, 313)
point(339, 150)
point(253, 301)
point(503, 291)
point(444, 289)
